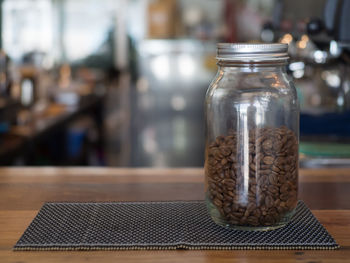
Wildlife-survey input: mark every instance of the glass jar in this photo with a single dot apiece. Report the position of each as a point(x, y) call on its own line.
point(252, 134)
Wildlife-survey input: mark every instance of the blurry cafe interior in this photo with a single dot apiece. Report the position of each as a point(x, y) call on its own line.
point(122, 83)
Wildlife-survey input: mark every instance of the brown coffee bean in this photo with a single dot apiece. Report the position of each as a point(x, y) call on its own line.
point(273, 189)
point(235, 207)
point(268, 160)
point(277, 146)
point(282, 178)
point(227, 209)
point(277, 202)
point(265, 166)
point(238, 214)
point(223, 161)
point(217, 155)
point(272, 179)
point(263, 210)
point(273, 211)
point(275, 173)
point(251, 199)
point(236, 166)
point(219, 140)
point(265, 172)
point(253, 220)
point(228, 198)
point(212, 185)
point(213, 192)
point(263, 179)
point(275, 169)
point(230, 193)
point(257, 213)
point(234, 221)
point(269, 220)
point(225, 150)
point(284, 188)
point(279, 161)
point(217, 202)
point(246, 213)
point(252, 167)
point(253, 190)
point(229, 183)
point(268, 201)
point(267, 145)
point(220, 196)
point(227, 203)
point(284, 196)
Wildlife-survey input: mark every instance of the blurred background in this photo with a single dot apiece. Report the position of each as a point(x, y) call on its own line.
point(122, 83)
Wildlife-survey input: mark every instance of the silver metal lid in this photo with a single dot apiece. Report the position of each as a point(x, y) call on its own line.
point(252, 52)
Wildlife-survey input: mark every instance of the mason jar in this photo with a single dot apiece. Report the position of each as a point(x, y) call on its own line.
point(252, 135)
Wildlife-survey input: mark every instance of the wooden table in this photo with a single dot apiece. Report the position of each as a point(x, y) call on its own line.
point(24, 190)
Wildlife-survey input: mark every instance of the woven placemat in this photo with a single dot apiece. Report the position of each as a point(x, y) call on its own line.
point(159, 226)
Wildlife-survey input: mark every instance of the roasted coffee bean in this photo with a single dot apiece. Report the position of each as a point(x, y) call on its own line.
point(253, 220)
point(272, 179)
point(265, 172)
point(262, 191)
point(217, 202)
point(268, 201)
point(275, 169)
point(227, 209)
point(267, 145)
point(252, 167)
point(220, 196)
point(230, 193)
point(226, 203)
point(273, 189)
point(228, 198)
point(284, 196)
point(268, 160)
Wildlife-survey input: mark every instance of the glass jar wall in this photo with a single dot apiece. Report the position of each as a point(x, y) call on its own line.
point(252, 130)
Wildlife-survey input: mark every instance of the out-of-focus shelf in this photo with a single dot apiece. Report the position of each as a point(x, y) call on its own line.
point(22, 138)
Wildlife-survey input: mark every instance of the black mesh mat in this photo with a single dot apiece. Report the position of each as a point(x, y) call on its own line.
point(157, 226)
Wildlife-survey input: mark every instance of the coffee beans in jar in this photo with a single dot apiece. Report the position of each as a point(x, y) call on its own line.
point(252, 179)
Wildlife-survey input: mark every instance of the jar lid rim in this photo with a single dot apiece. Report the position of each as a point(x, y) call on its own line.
point(252, 51)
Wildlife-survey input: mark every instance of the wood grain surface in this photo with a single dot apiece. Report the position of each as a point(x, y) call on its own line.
point(24, 190)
